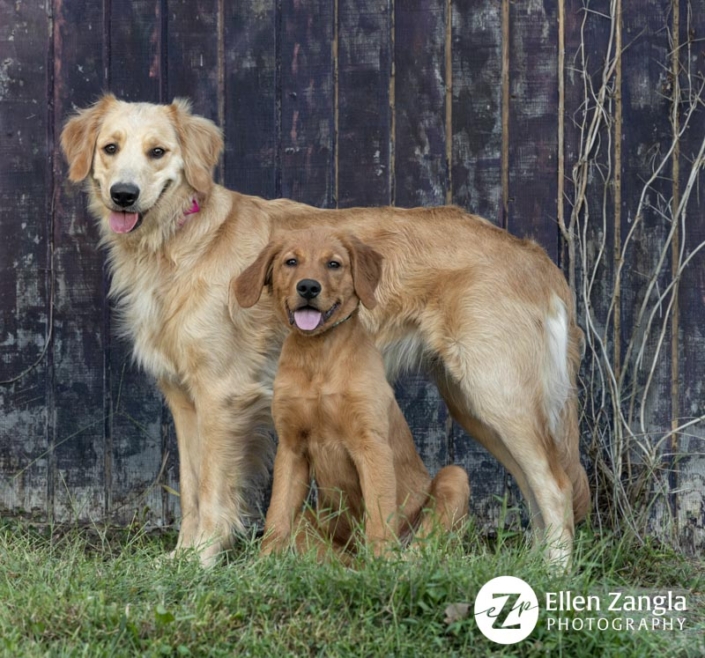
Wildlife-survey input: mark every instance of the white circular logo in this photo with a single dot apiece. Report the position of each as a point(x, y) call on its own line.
point(506, 610)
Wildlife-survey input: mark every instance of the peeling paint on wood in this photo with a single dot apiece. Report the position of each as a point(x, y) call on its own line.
point(645, 139)
point(307, 102)
point(533, 129)
point(135, 413)
point(477, 106)
point(420, 177)
point(364, 121)
point(690, 461)
point(251, 102)
point(77, 428)
point(25, 318)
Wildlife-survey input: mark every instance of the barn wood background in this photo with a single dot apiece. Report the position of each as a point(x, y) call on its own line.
point(346, 102)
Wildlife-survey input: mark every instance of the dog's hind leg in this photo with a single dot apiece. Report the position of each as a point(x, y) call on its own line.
point(513, 434)
point(447, 503)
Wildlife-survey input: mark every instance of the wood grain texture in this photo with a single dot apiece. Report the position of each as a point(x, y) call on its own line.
point(420, 168)
point(307, 102)
point(78, 423)
point(533, 136)
point(192, 63)
point(419, 177)
point(586, 43)
point(136, 414)
point(135, 55)
point(25, 271)
point(364, 119)
point(252, 97)
point(690, 474)
point(646, 137)
point(477, 107)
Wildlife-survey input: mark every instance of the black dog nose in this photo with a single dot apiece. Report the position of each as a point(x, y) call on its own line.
point(308, 288)
point(124, 194)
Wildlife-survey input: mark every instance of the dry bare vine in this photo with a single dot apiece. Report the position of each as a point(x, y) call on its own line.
point(629, 451)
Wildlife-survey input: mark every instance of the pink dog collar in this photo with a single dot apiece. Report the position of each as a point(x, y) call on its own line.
point(194, 207)
point(191, 211)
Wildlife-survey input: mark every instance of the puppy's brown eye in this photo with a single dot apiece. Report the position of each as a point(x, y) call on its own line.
point(157, 153)
point(333, 264)
point(110, 149)
point(291, 262)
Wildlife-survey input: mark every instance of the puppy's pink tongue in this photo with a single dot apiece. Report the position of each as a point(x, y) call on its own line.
point(123, 222)
point(307, 319)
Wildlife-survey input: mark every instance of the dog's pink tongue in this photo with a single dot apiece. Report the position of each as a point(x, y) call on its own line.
point(307, 319)
point(123, 222)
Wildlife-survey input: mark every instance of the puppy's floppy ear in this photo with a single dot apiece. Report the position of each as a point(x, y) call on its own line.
point(247, 288)
point(201, 144)
point(366, 266)
point(79, 136)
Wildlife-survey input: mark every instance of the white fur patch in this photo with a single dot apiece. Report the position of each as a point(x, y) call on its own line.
point(556, 378)
point(404, 355)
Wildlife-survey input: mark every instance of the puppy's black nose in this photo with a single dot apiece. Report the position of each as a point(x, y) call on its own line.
point(308, 288)
point(124, 194)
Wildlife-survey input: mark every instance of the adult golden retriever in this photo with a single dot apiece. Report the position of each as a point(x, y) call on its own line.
point(489, 315)
point(334, 412)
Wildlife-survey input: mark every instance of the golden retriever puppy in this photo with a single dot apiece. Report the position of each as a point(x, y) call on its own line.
point(488, 315)
point(334, 411)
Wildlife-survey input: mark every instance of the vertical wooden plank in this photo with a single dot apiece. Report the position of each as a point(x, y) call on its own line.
point(137, 72)
point(307, 101)
point(690, 444)
point(586, 43)
point(420, 174)
point(645, 139)
point(194, 70)
point(420, 179)
point(533, 136)
point(477, 107)
point(79, 375)
point(25, 269)
point(192, 66)
point(477, 187)
point(136, 49)
point(363, 109)
point(251, 97)
point(586, 57)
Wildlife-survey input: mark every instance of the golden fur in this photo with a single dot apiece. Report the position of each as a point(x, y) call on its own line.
point(489, 315)
point(334, 412)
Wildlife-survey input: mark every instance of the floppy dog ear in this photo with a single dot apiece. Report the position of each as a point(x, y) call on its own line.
point(79, 136)
point(366, 269)
point(247, 287)
point(201, 143)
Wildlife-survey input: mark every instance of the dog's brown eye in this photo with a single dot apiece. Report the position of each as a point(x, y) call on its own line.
point(110, 149)
point(333, 264)
point(157, 153)
point(292, 262)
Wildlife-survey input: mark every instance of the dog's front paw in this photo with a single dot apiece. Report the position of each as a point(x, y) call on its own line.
point(273, 544)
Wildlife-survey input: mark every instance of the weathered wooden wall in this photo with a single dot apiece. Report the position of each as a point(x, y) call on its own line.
point(336, 103)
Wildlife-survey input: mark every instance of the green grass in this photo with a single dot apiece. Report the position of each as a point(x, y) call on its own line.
point(106, 592)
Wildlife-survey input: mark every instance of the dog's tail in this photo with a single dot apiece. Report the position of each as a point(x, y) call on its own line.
point(564, 347)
